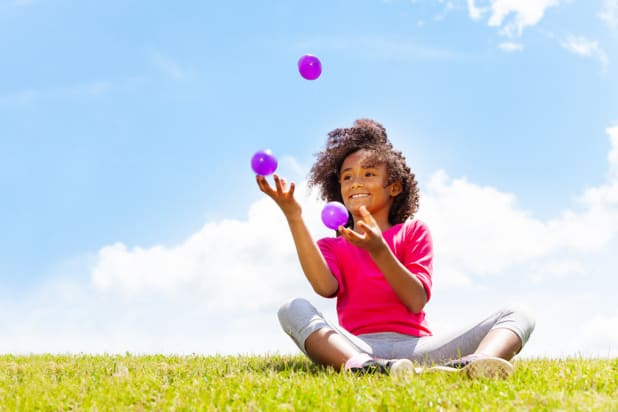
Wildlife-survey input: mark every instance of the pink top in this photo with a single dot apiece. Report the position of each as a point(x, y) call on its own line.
point(366, 303)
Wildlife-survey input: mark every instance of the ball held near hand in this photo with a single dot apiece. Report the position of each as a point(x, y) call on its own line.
point(334, 214)
point(264, 162)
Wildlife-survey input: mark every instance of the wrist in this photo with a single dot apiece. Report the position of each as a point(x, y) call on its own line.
point(379, 251)
point(295, 217)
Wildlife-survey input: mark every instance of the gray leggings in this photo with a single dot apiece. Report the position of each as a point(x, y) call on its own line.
point(299, 319)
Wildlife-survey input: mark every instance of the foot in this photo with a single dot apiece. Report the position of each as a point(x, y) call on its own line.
point(478, 366)
point(395, 367)
point(398, 367)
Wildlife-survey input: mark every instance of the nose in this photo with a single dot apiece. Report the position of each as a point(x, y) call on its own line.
point(356, 182)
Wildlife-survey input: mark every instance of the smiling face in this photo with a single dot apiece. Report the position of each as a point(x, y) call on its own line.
point(366, 184)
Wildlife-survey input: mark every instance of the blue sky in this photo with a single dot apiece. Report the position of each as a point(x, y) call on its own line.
point(127, 128)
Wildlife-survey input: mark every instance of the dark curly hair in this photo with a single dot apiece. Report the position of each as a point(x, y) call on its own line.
point(370, 135)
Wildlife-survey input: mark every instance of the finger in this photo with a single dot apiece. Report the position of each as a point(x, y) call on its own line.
point(346, 234)
point(262, 183)
point(365, 212)
point(277, 182)
point(281, 183)
point(343, 230)
point(351, 235)
point(368, 227)
point(366, 215)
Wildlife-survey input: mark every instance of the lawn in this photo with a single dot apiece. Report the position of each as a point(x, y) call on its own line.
point(287, 383)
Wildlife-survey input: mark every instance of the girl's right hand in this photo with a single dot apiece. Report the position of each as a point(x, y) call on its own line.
point(281, 194)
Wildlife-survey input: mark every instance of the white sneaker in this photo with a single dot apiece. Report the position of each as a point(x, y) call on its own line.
point(399, 367)
point(477, 366)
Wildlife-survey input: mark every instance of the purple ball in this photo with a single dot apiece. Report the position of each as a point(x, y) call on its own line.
point(264, 162)
point(334, 214)
point(309, 67)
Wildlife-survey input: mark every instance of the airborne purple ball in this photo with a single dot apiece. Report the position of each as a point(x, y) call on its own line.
point(309, 67)
point(264, 162)
point(334, 214)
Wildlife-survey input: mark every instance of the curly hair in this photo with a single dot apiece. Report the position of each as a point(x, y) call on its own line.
point(369, 135)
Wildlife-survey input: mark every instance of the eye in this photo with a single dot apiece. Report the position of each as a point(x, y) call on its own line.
point(369, 174)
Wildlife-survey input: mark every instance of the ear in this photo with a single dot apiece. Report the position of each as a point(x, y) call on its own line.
point(396, 188)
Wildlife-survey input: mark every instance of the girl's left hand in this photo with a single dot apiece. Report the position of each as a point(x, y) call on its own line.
point(370, 238)
point(282, 194)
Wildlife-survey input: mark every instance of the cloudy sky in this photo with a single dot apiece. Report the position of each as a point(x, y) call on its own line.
point(130, 219)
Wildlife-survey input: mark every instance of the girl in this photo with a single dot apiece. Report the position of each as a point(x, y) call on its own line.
point(379, 267)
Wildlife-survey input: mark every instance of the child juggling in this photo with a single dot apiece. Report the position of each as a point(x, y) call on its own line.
point(379, 268)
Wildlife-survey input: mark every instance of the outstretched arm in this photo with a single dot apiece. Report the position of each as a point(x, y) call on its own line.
point(408, 288)
point(311, 260)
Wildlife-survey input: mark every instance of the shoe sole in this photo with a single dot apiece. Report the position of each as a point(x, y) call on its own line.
point(490, 368)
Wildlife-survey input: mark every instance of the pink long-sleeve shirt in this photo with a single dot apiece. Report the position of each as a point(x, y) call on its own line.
point(366, 303)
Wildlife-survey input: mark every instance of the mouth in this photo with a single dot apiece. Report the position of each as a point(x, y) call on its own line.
point(359, 196)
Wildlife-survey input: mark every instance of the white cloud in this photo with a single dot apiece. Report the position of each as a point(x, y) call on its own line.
point(466, 218)
point(609, 14)
point(586, 48)
point(512, 16)
point(612, 132)
point(511, 46)
point(559, 269)
point(222, 260)
point(227, 280)
point(526, 13)
point(473, 11)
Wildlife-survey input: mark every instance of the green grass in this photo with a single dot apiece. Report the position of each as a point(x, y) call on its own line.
point(284, 383)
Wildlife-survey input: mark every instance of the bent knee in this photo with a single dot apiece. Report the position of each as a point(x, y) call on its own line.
point(522, 319)
point(293, 309)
